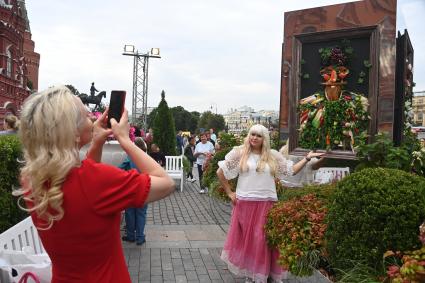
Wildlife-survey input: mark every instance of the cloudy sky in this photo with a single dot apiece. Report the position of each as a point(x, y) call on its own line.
point(218, 54)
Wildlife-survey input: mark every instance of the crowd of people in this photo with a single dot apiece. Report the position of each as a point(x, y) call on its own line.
point(79, 202)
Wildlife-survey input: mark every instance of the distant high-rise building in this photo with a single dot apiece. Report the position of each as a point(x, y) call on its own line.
point(18, 62)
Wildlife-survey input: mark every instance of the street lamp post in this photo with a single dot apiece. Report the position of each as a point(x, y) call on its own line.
point(212, 107)
point(140, 81)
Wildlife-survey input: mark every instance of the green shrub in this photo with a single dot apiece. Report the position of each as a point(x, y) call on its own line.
point(322, 192)
point(10, 152)
point(210, 178)
point(383, 153)
point(228, 140)
point(296, 228)
point(372, 211)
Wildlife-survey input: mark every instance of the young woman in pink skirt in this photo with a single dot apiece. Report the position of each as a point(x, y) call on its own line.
point(256, 166)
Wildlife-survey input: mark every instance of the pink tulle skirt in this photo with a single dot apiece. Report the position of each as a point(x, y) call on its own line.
point(245, 250)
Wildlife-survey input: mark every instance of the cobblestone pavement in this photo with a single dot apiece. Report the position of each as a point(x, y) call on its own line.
point(185, 233)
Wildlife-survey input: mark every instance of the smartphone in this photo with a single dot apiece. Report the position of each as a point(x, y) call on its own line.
point(116, 105)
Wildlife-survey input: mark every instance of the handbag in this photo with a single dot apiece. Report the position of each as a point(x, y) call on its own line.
point(26, 276)
point(15, 265)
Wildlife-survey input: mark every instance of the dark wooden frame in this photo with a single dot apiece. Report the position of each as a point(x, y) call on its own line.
point(294, 85)
point(404, 56)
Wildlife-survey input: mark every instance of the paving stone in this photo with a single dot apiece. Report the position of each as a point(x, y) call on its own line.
point(185, 234)
point(156, 279)
point(156, 271)
point(179, 271)
point(214, 274)
point(201, 270)
point(191, 275)
point(204, 278)
point(168, 275)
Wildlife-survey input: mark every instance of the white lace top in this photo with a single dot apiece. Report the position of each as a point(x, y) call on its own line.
point(253, 185)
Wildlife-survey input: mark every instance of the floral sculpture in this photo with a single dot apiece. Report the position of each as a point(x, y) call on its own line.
point(333, 118)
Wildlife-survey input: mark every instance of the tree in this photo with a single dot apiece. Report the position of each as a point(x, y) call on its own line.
point(185, 120)
point(194, 120)
point(209, 120)
point(151, 118)
point(181, 118)
point(164, 134)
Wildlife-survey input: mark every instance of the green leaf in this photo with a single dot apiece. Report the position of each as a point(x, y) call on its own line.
point(367, 64)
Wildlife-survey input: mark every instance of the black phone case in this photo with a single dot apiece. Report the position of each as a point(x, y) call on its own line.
point(116, 105)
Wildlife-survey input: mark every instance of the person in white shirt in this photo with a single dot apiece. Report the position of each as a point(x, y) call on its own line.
point(306, 174)
point(203, 150)
point(256, 166)
point(213, 136)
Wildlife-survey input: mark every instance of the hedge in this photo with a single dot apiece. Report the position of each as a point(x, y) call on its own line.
point(10, 153)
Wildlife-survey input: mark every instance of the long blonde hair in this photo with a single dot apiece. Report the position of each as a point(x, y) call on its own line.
point(49, 134)
point(266, 156)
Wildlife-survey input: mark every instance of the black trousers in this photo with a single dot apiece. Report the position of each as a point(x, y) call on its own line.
point(189, 174)
point(200, 173)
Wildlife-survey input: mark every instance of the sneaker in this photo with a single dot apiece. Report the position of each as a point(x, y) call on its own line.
point(139, 243)
point(193, 180)
point(189, 179)
point(202, 191)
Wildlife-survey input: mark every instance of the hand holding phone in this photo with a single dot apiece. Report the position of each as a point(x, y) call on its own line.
point(116, 105)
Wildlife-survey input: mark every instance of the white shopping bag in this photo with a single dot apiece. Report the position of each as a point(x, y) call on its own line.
point(14, 264)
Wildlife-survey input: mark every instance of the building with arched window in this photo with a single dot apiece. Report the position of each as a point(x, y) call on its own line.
point(18, 62)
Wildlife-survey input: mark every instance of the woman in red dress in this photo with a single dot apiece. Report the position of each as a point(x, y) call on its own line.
point(76, 205)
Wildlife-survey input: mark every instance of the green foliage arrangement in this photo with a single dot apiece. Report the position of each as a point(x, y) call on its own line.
point(322, 192)
point(227, 142)
point(412, 267)
point(407, 266)
point(372, 211)
point(275, 141)
point(383, 153)
point(296, 228)
point(164, 133)
point(418, 162)
point(333, 124)
point(10, 152)
point(210, 177)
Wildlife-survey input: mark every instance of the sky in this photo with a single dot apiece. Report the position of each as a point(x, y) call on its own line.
point(215, 55)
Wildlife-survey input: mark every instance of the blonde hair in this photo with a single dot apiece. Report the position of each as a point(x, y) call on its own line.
point(266, 156)
point(49, 133)
point(12, 122)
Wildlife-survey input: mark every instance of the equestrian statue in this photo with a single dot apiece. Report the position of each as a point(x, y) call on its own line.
point(92, 99)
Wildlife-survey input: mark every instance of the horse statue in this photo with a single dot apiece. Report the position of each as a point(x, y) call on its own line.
point(96, 99)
